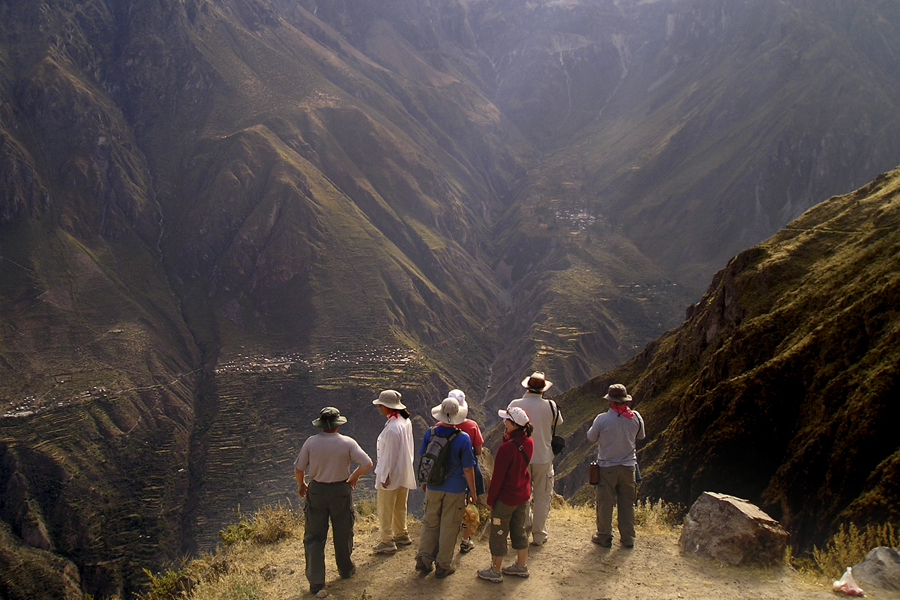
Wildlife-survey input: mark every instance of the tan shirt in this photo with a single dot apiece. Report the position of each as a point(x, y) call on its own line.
point(541, 416)
point(326, 457)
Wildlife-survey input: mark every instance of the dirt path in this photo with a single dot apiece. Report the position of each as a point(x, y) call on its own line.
point(568, 567)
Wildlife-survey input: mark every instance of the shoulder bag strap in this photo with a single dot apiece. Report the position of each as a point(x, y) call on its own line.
point(555, 414)
point(522, 450)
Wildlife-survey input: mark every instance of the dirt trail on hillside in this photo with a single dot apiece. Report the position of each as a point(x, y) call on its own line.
point(568, 567)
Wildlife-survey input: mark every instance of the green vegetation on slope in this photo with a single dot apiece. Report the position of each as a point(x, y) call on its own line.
point(779, 386)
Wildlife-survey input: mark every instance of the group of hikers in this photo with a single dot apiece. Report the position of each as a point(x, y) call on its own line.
point(519, 493)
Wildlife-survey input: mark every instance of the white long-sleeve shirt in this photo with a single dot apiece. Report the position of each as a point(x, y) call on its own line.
point(395, 455)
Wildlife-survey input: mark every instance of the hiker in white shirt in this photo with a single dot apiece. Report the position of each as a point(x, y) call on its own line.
point(394, 472)
point(542, 413)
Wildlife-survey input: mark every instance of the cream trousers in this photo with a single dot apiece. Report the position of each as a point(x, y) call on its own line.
point(392, 513)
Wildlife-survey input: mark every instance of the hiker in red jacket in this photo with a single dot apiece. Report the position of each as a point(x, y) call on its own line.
point(508, 496)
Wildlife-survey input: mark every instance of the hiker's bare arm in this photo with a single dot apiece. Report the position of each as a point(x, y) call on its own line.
point(357, 473)
point(469, 472)
point(301, 484)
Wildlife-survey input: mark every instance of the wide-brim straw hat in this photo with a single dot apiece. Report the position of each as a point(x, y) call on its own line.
point(450, 412)
point(536, 383)
point(390, 399)
point(329, 418)
point(617, 393)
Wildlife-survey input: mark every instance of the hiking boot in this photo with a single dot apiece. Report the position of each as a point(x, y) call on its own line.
point(423, 566)
point(440, 573)
point(602, 541)
point(515, 569)
point(315, 588)
point(385, 548)
point(348, 573)
point(466, 545)
point(489, 574)
point(403, 540)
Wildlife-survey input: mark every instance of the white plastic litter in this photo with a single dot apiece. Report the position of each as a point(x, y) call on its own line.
point(847, 585)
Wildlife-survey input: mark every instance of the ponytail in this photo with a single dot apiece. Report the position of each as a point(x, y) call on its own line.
point(528, 428)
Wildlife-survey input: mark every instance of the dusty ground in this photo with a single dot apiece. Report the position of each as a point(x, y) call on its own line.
point(568, 567)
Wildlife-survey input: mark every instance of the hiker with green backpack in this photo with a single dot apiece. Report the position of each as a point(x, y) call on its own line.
point(447, 474)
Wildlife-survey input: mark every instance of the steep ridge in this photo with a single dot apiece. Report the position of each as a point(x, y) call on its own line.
point(675, 134)
point(703, 118)
point(196, 191)
point(780, 386)
point(98, 373)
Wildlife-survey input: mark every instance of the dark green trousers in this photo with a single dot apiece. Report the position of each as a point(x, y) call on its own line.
point(324, 502)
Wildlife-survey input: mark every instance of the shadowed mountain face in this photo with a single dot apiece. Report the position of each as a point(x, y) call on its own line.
point(781, 385)
point(217, 217)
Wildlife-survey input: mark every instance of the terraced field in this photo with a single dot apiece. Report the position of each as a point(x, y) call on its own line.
point(265, 408)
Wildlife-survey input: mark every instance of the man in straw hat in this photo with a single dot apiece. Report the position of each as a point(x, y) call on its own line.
point(326, 458)
point(544, 416)
point(445, 504)
point(616, 432)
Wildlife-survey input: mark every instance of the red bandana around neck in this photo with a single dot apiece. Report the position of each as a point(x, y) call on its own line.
point(622, 409)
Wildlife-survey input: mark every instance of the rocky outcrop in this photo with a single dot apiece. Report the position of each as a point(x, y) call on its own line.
point(27, 572)
point(21, 190)
point(879, 570)
point(733, 531)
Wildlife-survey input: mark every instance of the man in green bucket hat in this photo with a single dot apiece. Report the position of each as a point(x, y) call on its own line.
point(326, 458)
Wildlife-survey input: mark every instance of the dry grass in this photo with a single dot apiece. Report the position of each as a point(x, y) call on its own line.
point(267, 525)
point(650, 516)
point(659, 515)
point(254, 538)
point(273, 523)
point(258, 550)
point(846, 548)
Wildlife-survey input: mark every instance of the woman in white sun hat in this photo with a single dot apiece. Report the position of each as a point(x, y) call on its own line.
point(394, 473)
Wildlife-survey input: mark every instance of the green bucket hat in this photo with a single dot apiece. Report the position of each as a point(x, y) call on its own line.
point(329, 418)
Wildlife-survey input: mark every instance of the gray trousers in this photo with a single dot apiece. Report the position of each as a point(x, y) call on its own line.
point(616, 487)
point(326, 501)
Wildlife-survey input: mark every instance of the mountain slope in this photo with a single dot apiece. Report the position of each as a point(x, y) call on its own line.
point(780, 385)
point(193, 186)
point(674, 134)
point(216, 217)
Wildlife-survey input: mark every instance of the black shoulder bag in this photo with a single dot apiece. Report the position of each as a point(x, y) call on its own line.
point(557, 442)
